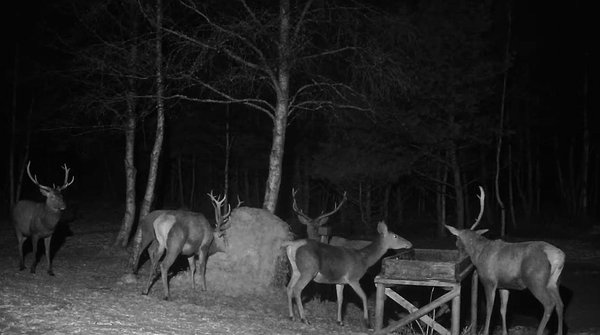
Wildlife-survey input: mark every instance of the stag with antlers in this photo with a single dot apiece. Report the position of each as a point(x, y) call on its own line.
point(38, 220)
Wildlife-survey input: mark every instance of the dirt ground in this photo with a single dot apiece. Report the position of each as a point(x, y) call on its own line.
point(88, 296)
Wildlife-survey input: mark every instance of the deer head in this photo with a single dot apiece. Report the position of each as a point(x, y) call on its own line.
point(312, 225)
point(221, 218)
point(54, 198)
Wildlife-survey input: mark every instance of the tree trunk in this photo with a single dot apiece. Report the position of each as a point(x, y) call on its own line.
point(13, 133)
point(193, 182)
point(501, 129)
point(458, 186)
point(227, 158)
point(130, 177)
point(511, 196)
point(26, 149)
point(585, 155)
point(156, 150)
point(442, 172)
point(180, 180)
point(281, 112)
point(130, 130)
point(386, 202)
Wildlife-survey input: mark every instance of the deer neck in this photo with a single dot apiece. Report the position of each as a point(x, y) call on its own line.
point(476, 246)
point(373, 252)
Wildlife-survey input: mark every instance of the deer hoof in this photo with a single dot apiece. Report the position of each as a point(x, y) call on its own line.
point(305, 321)
point(32, 270)
point(166, 298)
point(368, 325)
point(50, 273)
point(340, 323)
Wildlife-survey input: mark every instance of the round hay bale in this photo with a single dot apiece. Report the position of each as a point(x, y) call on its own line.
point(254, 257)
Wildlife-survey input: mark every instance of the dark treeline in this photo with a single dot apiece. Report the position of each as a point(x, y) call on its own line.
point(406, 106)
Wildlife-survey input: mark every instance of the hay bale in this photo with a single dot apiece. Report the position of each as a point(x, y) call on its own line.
point(254, 257)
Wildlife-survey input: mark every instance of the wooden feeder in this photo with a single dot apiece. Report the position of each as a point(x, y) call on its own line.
point(425, 267)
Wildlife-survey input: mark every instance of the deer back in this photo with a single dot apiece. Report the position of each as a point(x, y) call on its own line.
point(509, 264)
point(340, 264)
point(189, 229)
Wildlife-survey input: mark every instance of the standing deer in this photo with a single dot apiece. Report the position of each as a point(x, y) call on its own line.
point(186, 233)
point(38, 220)
point(313, 225)
point(535, 265)
point(327, 264)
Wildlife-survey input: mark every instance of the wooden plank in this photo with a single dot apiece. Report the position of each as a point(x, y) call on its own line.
point(411, 308)
point(456, 313)
point(394, 281)
point(379, 303)
point(427, 264)
point(474, 287)
point(422, 311)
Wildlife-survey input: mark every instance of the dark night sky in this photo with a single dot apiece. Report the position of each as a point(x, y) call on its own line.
point(554, 36)
point(550, 37)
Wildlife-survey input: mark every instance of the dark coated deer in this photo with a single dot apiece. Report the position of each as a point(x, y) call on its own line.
point(534, 265)
point(183, 233)
point(327, 264)
point(313, 225)
point(38, 219)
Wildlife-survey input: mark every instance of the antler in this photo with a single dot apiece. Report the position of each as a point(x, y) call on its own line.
point(335, 209)
point(295, 206)
point(34, 179)
point(66, 183)
point(222, 220)
point(481, 197)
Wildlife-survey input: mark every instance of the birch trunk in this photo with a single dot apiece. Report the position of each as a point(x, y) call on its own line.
point(156, 150)
point(281, 111)
point(129, 162)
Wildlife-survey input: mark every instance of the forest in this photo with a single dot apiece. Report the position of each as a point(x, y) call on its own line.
point(404, 106)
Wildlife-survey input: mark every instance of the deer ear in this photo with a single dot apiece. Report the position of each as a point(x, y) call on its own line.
point(322, 221)
point(382, 228)
point(481, 231)
point(44, 192)
point(452, 230)
point(303, 220)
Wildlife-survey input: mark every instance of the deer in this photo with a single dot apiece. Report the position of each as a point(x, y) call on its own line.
point(313, 225)
point(38, 220)
point(504, 266)
point(185, 233)
point(323, 263)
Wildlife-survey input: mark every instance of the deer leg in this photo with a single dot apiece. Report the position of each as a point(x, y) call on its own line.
point(164, 268)
point(34, 243)
point(339, 290)
point(21, 240)
point(545, 297)
point(363, 297)
point(290, 292)
point(203, 258)
point(300, 285)
point(47, 241)
point(558, 305)
point(155, 254)
point(192, 263)
point(490, 296)
point(503, 303)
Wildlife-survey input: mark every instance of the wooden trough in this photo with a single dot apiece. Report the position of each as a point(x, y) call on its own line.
point(425, 267)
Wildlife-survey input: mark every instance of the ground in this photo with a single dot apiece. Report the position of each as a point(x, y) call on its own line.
point(88, 294)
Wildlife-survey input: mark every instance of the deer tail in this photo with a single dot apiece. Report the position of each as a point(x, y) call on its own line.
point(291, 247)
point(556, 257)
